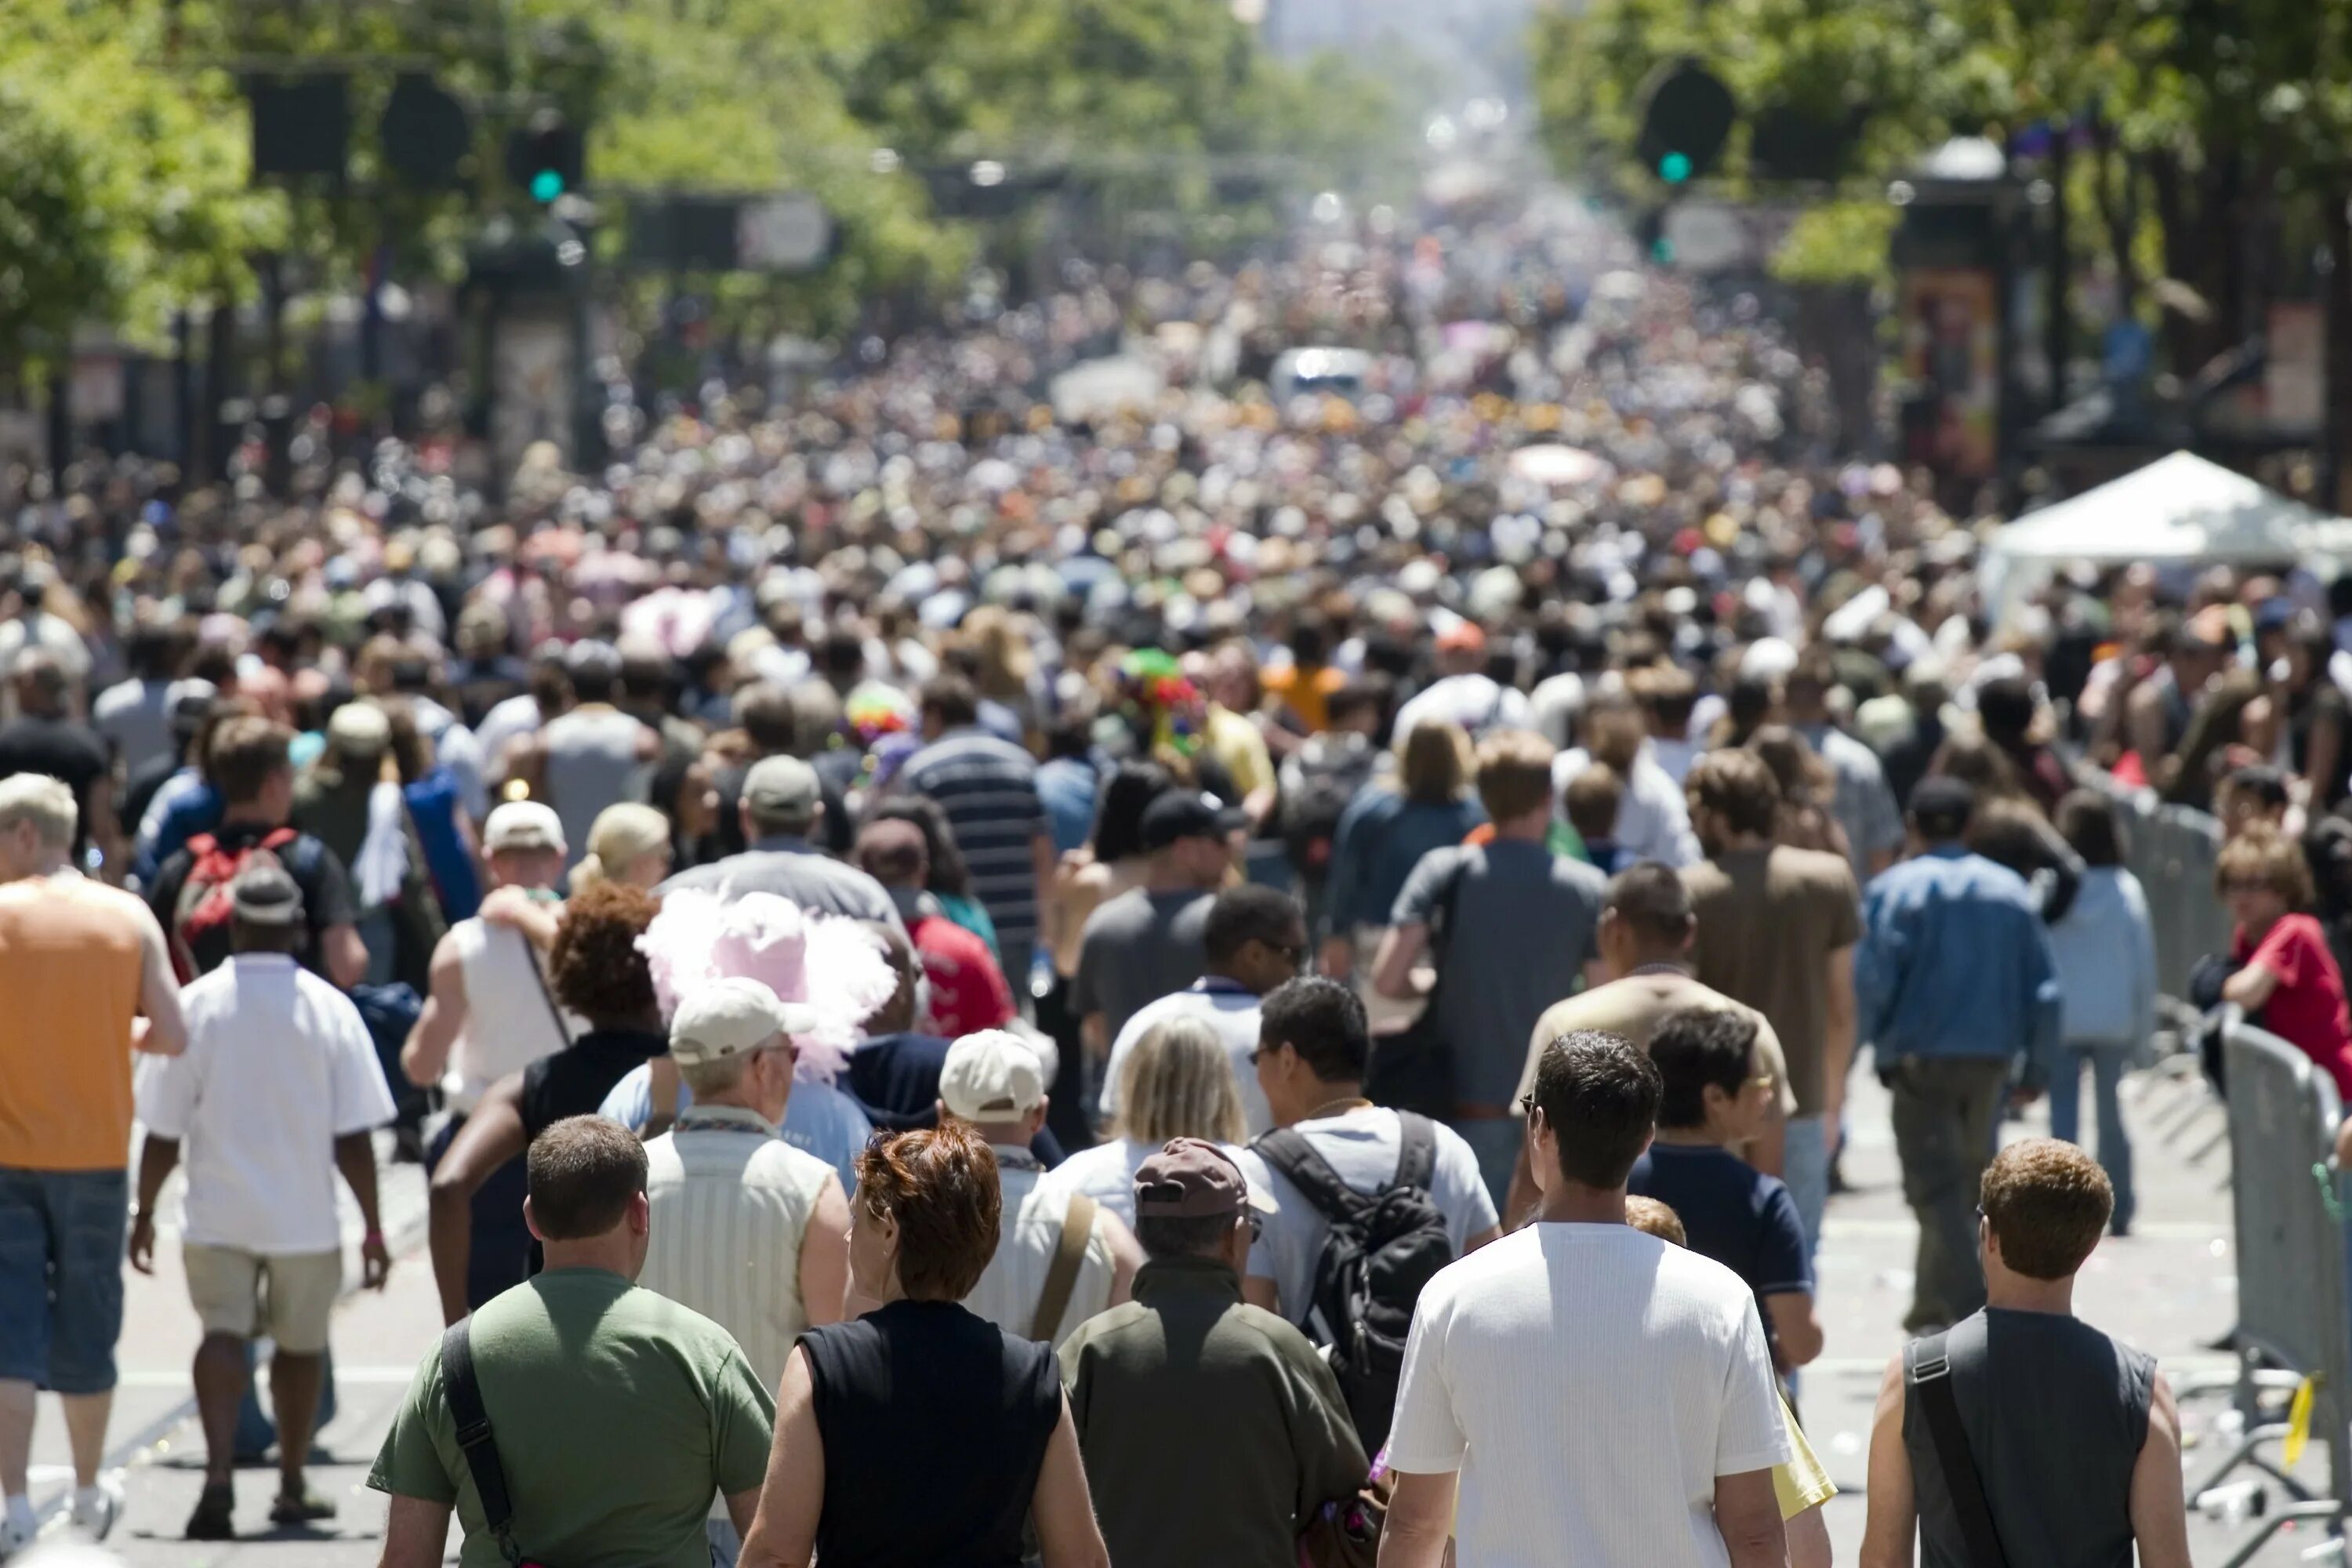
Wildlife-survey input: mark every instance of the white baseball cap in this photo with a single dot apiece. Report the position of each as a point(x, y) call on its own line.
point(522, 824)
point(992, 1076)
point(732, 1016)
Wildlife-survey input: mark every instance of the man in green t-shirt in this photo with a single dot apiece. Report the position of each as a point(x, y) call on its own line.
point(567, 1363)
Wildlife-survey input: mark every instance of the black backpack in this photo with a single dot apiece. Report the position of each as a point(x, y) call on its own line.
point(1381, 1249)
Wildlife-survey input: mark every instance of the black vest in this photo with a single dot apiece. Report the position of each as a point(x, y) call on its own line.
point(2055, 1413)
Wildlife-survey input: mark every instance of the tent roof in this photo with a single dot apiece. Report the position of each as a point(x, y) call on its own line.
point(2179, 508)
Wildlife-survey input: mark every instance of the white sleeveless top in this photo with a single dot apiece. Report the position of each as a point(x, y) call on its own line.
point(508, 1024)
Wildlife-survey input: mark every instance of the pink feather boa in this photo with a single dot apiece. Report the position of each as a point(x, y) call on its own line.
point(831, 964)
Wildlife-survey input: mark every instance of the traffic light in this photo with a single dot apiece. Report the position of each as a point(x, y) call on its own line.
point(427, 133)
point(546, 156)
point(1686, 115)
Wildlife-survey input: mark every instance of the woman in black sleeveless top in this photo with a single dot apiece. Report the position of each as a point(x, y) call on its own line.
point(595, 971)
point(921, 1436)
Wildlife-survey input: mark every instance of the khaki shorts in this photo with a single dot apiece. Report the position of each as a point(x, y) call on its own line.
point(227, 1289)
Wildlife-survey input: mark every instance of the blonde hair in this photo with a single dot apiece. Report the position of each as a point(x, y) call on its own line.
point(618, 835)
point(1177, 1082)
point(2263, 855)
point(47, 802)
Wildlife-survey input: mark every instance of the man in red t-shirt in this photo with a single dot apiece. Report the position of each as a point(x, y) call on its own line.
point(967, 992)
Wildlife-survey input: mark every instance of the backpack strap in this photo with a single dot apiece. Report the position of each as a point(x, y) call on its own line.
point(1062, 1274)
point(1288, 1151)
point(1417, 1160)
point(474, 1439)
point(1927, 1376)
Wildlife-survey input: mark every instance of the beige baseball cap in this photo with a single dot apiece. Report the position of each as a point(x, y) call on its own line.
point(731, 1017)
point(992, 1076)
point(522, 824)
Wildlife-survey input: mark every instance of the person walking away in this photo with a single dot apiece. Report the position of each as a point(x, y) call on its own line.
point(746, 1229)
point(1517, 1349)
point(988, 787)
point(1152, 940)
point(489, 1012)
point(782, 812)
point(1957, 991)
point(1254, 940)
point(967, 991)
point(1113, 862)
point(627, 843)
point(593, 754)
point(1241, 1393)
point(1646, 929)
point(134, 716)
point(2073, 1436)
point(1801, 1485)
point(1859, 797)
point(277, 1090)
point(1346, 1184)
point(1385, 833)
point(2285, 977)
point(920, 1432)
point(596, 972)
point(1064, 1257)
point(1317, 782)
point(2106, 951)
point(1652, 821)
point(1516, 924)
point(46, 738)
point(249, 765)
point(1176, 1082)
point(1775, 931)
point(1592, 803)
point(1712, 1097)
point(88, 982)
point(612, 1413)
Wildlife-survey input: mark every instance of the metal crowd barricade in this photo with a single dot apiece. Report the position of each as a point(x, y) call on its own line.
point(2292, 1311)
point(2172, 850)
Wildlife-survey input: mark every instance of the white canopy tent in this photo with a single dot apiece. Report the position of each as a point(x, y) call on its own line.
point(2179, 508)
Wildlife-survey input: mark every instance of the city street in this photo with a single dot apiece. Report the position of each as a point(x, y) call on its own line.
point(2169, 1289)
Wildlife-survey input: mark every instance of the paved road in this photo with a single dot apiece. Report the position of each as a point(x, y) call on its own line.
point(2167, 1289)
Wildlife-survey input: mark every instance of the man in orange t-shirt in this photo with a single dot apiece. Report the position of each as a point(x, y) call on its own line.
point(79, 963)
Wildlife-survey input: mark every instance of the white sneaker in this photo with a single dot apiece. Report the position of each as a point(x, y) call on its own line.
point(96, 1511)
point(15, 1538)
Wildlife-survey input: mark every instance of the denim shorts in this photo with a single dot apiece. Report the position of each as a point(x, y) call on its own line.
point(61, 1237)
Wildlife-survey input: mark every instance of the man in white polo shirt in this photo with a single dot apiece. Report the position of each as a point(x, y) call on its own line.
point(276, 1092)
point(1580, 1392)
point(1060, 1258)
point(491, 1013)
point(747, 1230)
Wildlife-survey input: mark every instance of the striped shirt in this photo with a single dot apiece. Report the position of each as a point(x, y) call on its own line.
point(988, 788)
point(1008, 1294)
point(730, 1203)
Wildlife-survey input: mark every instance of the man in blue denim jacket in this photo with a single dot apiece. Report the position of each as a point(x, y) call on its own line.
point(1956, 988)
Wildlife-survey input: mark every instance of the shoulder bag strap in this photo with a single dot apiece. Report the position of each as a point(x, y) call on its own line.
point(1928, 1371)
point(474, 1439)
point(1288, 1151)
point(539, 972)
point(1062, 1277)
point(1417, 1160)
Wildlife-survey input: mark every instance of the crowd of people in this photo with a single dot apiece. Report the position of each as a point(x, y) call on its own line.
point(938, 950)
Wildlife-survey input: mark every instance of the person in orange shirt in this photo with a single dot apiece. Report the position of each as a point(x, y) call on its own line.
point(1305, 684)
point(79, 963)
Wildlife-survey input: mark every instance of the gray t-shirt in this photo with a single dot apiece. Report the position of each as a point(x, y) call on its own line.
point(1362, 1146)
point(1138, 948)
point(1521, 932)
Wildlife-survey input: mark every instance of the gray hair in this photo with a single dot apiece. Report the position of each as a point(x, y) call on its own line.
point(47, 802)
point(720, 1077)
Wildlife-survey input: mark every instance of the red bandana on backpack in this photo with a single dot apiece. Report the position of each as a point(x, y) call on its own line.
point(206, 905)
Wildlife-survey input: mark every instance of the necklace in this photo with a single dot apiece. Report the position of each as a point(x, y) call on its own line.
point(1339, 1107)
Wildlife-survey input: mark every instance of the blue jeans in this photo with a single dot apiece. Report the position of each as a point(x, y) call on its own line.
point(1805, 1168)
point(61, 1239)
point(2108, 1060)
point(1495, 1142)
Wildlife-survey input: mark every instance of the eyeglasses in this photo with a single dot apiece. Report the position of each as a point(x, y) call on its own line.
point(1762, 1080)
point(1526, 1105)
point(1257, 1224)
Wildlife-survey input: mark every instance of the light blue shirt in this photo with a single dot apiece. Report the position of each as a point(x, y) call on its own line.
point(819, 1120)
point(2105, 949)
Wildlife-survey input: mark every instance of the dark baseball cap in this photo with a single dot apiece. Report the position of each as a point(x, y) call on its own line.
point(1941, 806)
point(1185, 814)
point(1190, 1178)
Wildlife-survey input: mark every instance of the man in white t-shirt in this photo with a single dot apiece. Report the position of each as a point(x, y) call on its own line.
point(1313, 1043)
point(276, 1092)
point(1580, 1392)
point(1057, 1264)
point(1254, 940)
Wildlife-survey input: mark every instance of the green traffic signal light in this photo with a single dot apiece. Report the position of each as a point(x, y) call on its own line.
point(546, 186)
point(1675, 168)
